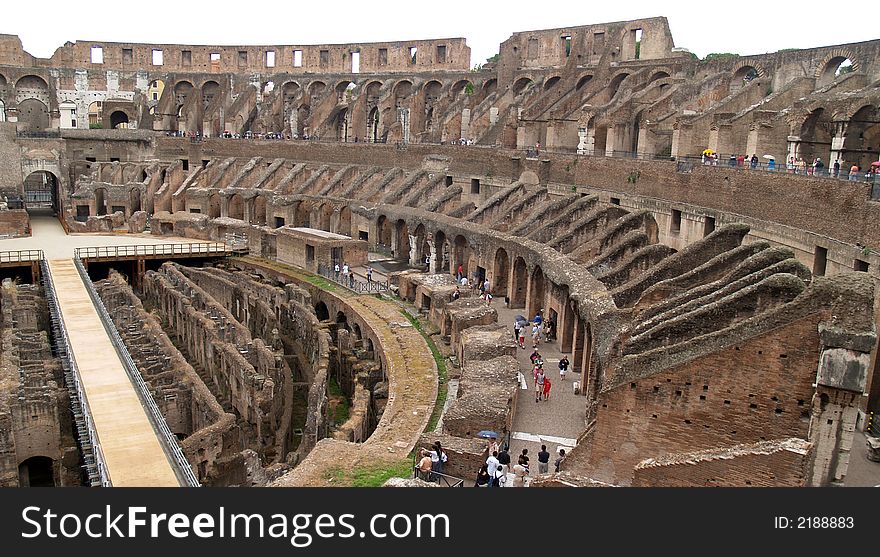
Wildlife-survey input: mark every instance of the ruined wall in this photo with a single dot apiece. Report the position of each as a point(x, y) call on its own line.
point(778, 463)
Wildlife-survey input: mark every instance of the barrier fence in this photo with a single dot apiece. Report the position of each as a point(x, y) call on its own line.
point(21, 256)
point(351, 281)
point(151, 250)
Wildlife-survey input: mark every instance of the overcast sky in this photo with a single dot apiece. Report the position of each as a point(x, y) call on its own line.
point(744, 27)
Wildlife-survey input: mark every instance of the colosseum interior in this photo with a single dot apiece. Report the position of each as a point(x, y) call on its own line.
point(715, 297)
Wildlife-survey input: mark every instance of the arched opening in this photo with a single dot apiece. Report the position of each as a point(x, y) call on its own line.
point(291, 92)
point(461, 254)
point(568, 319)
point(521, 84)
point(134, 201)
point(815, 136)
point(501, 273)
point(325, 216)
point(41, 192)
point(442, 252)
point(344, 225)
point(118, 120)
point(551, 82)
point(862, 141)
point(489, 87)
point(583, 81)
point(236, 207)
point(182, 92)
point(658, 75)
point(520, 284)
point(383, 231)
point(344, 91)
point(402, 91)
point(34, 114)
point(214, 206)
point(460, 86)
point(403, 246)
point(259, 216)
point(210, 91)
point(834, 68)
point(341, 320)
point(373, 125)
point(37, 471)
point(356, 331)
point(743, 77)
point(339, 123)
point(321, 311)
point(537, 291)
point(100, 201)
point(422, 246)
point(614, 85)
point(302, 214)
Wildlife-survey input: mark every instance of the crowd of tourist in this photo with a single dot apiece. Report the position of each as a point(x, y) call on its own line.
point(795, 165)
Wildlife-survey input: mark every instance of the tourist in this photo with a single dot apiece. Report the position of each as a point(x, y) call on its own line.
point(483, 477)
point(346, 270)
point(539, 384)
point(546, 388)
point(520, 473)
point(754, 162)
point(504, 458)
point(818, 167)
point(463, 281)
point(351, 279)
point(491, 446)
point(543, 460)
point(336, 271)
point(488, 298)
point(771, 166)
point(427, 262)
point(560, 459)
point(522, 338)
point(836, 168)
point(457, 294)
point(535, 357)
point(460, 273)
point(549, 330)
point(499, 477)
point(438, 458)
point(516, 328)
point(425, 466)
point(731, 162)
point(538, 319)
point(536, 336)
point(854, 172)
point(492, 466)
point(486, 285)
point(369, 274)
point(524, 459)
point(563, 367)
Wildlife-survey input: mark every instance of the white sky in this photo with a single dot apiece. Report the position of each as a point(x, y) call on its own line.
point(744, 27)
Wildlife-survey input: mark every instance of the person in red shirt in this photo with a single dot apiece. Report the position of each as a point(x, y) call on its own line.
point(546, 388)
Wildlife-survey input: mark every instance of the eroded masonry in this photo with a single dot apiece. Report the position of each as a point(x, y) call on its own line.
point(719, 311)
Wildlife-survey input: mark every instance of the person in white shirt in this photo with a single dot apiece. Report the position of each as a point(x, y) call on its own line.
point(493, 464)
point(336, 270)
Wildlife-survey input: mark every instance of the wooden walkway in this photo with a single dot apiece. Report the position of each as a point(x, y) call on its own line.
point(132, 451)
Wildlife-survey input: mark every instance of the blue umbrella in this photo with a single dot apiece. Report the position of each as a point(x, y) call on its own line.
point(486, 434)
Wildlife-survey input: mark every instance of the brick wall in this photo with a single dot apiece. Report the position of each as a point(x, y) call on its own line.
point(769, 464)
point(15, 223)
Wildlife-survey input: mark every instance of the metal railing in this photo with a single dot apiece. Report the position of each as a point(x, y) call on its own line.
point(21, 256)
point(439, 478)
point(353, 283)
point(182, 468)
point(782, 167)
point(116, 252)
point(872, 424)
point(88, 436)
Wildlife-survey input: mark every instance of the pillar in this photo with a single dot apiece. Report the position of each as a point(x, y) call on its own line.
point(837, 141)
point(611, 140)
point(432, 265)
point(415, 258)
point(224, 206)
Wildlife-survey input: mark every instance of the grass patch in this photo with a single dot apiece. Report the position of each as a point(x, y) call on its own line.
point(371, 476)
point(342, 410)
point(440, 360)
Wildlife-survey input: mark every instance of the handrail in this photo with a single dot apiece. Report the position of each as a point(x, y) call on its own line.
point(436, 477)
point(359, 286)
point(182, 468)
point(21, 256)
point(147, 250)
point(92, 443)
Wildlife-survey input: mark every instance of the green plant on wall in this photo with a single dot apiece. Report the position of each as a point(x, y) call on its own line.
point(633, 176)
point(469, 89)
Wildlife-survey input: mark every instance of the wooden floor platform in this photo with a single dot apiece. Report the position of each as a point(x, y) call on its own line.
point(132, 451)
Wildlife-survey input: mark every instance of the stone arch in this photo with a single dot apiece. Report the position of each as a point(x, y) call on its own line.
point(519, 284)
point(342, 320)
point(461, 85)
point(373, 125)
point(34, 113)
point(658, 75)
point(210, 92)
point(461, 254)
point(214, 206)
point(615, 82)
point(325, 216)
point(489, 87)
point(259, 215)
point(401, 92)
point(442, 252)
point(501, 273)
point(582, 82)
point(422, 246)
point(236, 207)
point(37, 471)
point(134, 197)
point(42, 190)
point(118, 119)
point(32, 87)
point(537, 290)
point(101, 201)
point(551, 82)
point(356, 331)
point(339, 123)
point(317, 88)
point(341, 88)
point(815, 135)
point(826, 70)
point(521, 84)
point(383, 232)
point(862, 137)
point(344, 224)
point(321, 311)
point(401, 231)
